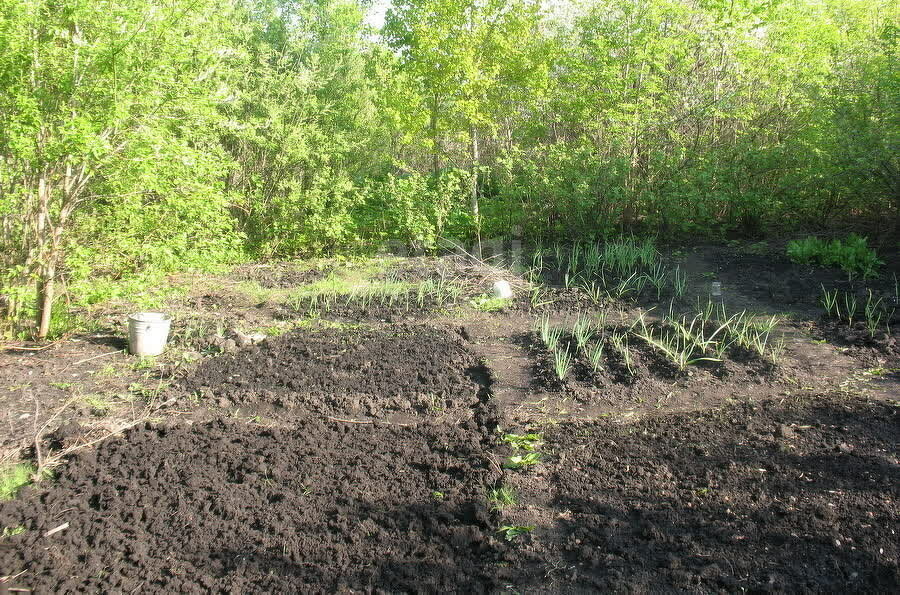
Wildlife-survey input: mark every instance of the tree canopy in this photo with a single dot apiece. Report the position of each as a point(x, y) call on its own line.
point(145, 136)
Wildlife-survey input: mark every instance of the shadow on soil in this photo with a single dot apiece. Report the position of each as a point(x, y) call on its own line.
point(762, 498)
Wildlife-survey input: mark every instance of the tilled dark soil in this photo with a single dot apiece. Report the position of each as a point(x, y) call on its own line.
point(403, 309)
point(881, 347)
point(281, 275)
point(226, 507)
point(771, 277)
point(396, 371)
point(793, 497)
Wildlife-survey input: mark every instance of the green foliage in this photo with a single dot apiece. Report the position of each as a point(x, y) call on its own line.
point(13, 478)
point(12, 531)
point(139, 138)
point(852, 254)
point(510, 532)
point(527, 442)
point(502, 497)
point(522, 461)
point(487, 303)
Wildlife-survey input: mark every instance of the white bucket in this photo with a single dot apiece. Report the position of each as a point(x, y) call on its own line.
point(502, 289)
point(148, 333)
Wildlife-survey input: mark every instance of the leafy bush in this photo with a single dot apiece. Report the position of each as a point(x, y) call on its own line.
point(851, 254)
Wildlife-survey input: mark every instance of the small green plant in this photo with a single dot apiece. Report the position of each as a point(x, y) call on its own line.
point(511, 532)
point(501, 498)
point(437, 496)
point(619, 342)
point(486, 303)
point(537, 298)
point(13, 478)
point(830, 302)
point(582, 330)
point(679, 282)
point(562, 363)
point(145, 362)
point(850, 306)
point(594, 355)
point(682, 343)
point(595, 292)
point(526, 442)
point(12, 531)
point(522, 461)
point(98, 404)
point(873, 313)
point(657, 276)
point(550, 335)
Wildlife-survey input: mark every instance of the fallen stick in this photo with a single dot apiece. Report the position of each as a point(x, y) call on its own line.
point(62, 527)
point(351, 421)
point(47, 346)
point(84, 361)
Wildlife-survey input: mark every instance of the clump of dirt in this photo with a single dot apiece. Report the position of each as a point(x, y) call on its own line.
point(280, 276)
point(404, 370)
point(226, 507)
point(799, 496)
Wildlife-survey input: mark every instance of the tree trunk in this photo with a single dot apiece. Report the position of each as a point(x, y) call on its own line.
point(46, 291)
point(435, 152)
point(474, 192)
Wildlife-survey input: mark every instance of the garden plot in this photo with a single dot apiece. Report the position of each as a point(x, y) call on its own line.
point(799, 496)
point(231, 507)
point(400, 373)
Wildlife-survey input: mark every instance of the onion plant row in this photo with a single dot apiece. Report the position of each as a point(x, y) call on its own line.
point(613, 270)
point(708, 334)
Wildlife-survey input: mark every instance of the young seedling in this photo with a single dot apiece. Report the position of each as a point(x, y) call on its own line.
point(850, 306)
point(12, 531)
point(501, 498)
point(594, 355)
point(873, 312)
point(13, 478)
point(620, 344)
point(582, 330)
point(526, 442)
point(595, 292)
point(550, 335)
point(537, 298)
point(830, 302)
point(657, 276)
point(679, 282)
point(562, 363)
point(513, 531)
point(522, 461)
